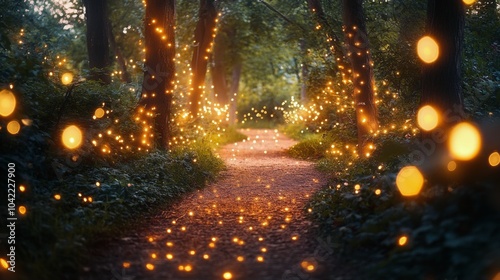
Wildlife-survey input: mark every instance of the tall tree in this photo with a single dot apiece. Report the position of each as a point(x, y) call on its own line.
point(97, 39)
point(441, 83)
point(159, 75)
point(218, 68)
point(334, 43)
point(203, 38)
point(362, 70)
point(122, 63)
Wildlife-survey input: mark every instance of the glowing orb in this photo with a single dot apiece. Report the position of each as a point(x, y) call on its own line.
point(150, 266)
point(57, 197)
point(465, 141)
point(427, 118)
point(7, 103)
point(427, 49)
point(13, 127)
point(72, 137)
point(494, 159)
point(66, 78)
point(22, 210)
point(409, 181)
point(452, 165)
point(227, 275)
point(469, 2)
point(403, 240)
point(4, 263)
point(99, 113)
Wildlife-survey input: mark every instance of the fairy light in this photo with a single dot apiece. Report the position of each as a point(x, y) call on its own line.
point(464, 141)
point(409, 181)
point(427, 49)
point(7, 103)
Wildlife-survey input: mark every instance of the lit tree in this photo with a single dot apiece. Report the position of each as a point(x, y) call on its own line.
point(361, 68)
point(203, 38)
point(97, 39)
point(441, 83)
point(159, 75)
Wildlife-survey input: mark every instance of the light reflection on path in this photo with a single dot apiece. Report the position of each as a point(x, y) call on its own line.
point(250, 224)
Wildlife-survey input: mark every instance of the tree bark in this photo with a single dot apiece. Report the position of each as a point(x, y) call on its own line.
point(159, 75)
point(218, 69)
point(304, 71)
point(235, 84)
point(441, 81)
point(362, 70)
point(97, 39)
point(203, 37)
point(122, 63)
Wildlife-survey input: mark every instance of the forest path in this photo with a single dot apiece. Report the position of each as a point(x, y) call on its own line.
point(250, 223)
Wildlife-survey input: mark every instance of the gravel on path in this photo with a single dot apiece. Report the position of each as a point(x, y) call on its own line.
point(249, 224)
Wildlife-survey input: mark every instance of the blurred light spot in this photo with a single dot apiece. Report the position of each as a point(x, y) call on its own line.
point(22, 210)
point(452, 165)
point(66, 78)
point(72, 137)
point(13, 127)
point(402, 240)
point(409, 181)
point(469, 2)
point(169, 256)
point(4, 263)
point(22, 188)
point(378, 191)
point(150, 266)
point(427, 49)
point(126, 265)
point(188, 268)
point(57, 197)
point(465, 141)
point(7, 103)
point(99, 113)
point(427, 118)
point(494, 159)
point(227, 275)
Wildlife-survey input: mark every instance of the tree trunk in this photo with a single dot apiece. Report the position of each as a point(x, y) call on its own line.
point(362, 70)
point(304, 72)
point(159, 75)
point(235, 84)
point(441, 83)
point(203, 37)
point(219, 69)
point(335, 45)
point(122, 63)
point(97, 39)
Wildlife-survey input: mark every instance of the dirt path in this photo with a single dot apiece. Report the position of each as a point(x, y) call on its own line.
point(250, 223)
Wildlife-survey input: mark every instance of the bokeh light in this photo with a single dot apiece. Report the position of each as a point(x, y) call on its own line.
point(13, 127)
point(494, 159)
point(67, 78)
point(469, 2)
point(452, 165)
point(72, 137)
point(99, 113)
point(427, 118)
point(227, 275)
point(427, 49)
point(409, 181)
point(22, 210)
point(7, 103)
point(403, 240)
point(465, 141)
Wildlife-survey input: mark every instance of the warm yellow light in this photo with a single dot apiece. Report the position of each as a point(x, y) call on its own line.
point(150, 266)
point(409, 181)
point(494, 159)
point(452, 165)
point(465, 141)
point(22, 210)
point(240, 258)
point(427, 118)
point(469, 2)
point(402, 240)
point(57, 197)
point(427, 49)
point(66, 78)
point(7, 103)
point(188, 268)
point(126, 265)
point(13, 127)
point(72, 137)
point(99, 113)
point(4, 263)
point(227, 275)
point(169, 256)
point(378, 191)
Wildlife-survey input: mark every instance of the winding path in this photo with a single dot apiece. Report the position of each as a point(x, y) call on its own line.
point(250, 224)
